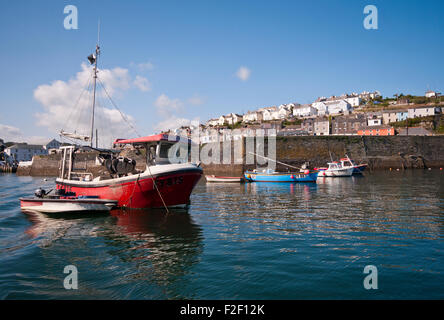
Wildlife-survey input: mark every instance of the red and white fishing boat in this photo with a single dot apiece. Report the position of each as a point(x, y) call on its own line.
point(161, 184)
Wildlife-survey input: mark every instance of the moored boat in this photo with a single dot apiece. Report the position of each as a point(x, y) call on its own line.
point(161, 184)
point(43, 203)
point(66, 205)
point(213, 178)
point(336, 169)
point(357, 168)
point(267, 175)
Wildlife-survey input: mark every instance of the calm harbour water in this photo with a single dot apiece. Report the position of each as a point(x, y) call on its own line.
point(236, 241)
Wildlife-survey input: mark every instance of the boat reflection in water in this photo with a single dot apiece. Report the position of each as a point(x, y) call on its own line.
point(164, 246)
point(143, 253)
point(305, 189)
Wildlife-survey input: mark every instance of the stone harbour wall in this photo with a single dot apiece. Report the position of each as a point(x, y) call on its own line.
point(397, 152)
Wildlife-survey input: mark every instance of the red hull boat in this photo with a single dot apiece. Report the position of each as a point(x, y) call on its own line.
point(173, 189)
point(161, 184)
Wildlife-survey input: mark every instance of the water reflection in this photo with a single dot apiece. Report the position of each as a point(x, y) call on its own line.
point(133, 248)
point(304, 189)
point(163, 246)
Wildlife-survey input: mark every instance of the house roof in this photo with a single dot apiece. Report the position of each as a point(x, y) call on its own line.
point(26, 146)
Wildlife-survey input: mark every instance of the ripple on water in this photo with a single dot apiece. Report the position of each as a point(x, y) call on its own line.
point(237, 241)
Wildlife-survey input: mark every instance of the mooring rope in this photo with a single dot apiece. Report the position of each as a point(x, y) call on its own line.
point(158, 191)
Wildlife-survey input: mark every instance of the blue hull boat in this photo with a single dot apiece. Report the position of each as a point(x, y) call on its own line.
point(359, 169)
point(272, 176)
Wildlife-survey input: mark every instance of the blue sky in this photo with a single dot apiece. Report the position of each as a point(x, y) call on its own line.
point(296, 51)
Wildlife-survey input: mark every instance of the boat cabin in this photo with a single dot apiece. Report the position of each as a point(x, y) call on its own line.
point(159, 150)
point(335, 165)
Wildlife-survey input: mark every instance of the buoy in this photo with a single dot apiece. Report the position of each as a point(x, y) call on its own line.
point(397, 169)
point(430, 168)
point(292, 177)
point(440, 168)
point(390, 169)
point(307, 171)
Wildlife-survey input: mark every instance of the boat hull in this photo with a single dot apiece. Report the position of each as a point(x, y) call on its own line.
point(42, 205)
point(281, 177)
point(359, 169)
point(212, 178)
point(141, 191)
point(345, 172)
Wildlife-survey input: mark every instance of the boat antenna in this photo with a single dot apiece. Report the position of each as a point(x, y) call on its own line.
point(93, 60)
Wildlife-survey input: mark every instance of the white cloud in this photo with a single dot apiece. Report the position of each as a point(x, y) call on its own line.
point(243, 73)
point(172, 123)
point(142, 83)
point(165, 105)
point(10, 133)
point(13, 134)
point(66, 105)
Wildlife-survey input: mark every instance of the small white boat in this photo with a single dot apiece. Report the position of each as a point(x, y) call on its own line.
point(336, 169)
point(213, 178)
point(42, 203)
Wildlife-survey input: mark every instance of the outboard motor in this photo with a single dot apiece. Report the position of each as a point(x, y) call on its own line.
point(40, 193)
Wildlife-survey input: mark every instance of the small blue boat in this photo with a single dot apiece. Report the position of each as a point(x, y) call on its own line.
point(268, 175)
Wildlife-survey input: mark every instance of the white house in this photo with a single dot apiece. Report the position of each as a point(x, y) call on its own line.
point(24, 151)
point(338, 106)
point(423, 111)
point(284, 111)
point(369, 95)
point(432, 94)
point(305, 110)
point(222, 120)
point(321, 107)
point(213, 122)
point(374, 122)
point(354, 101)
point(270, 113)
point(332, 107)
point(231, 118)
point(236, 118)
point(253, 116)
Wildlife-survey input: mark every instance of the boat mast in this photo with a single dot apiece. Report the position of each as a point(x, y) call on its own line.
point(94, 59)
